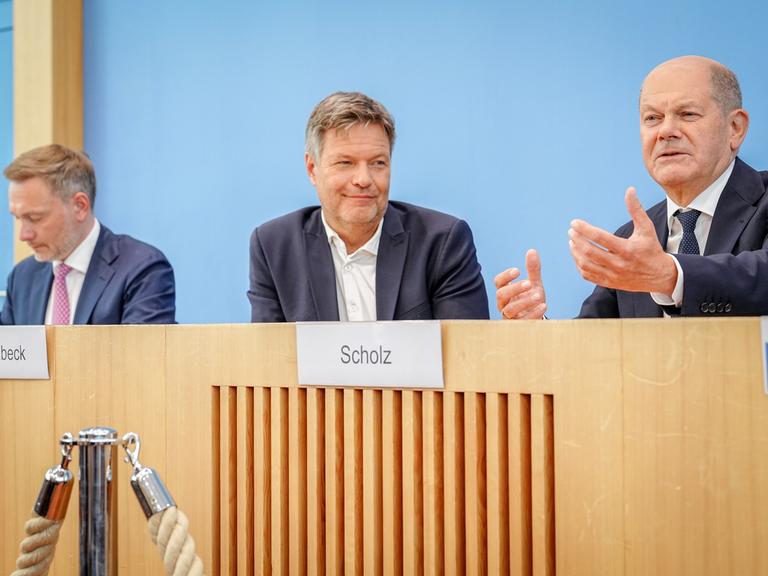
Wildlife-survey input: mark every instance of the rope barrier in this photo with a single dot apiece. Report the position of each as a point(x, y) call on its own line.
point(169, 531)
point(38, 547)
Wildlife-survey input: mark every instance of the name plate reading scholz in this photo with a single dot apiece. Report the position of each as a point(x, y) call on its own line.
point(23, 354)
point(370, 354)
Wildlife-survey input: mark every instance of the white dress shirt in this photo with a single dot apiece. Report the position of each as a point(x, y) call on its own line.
point(706, 202)
point(78, 260)
point(355, 275)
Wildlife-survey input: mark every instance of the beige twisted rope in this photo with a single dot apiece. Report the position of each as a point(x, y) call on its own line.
point(169, 531)
point(38, 547)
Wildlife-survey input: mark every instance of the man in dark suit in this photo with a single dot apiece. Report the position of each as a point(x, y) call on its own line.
point(701, 251)
point(80, 273)
point(359, 256)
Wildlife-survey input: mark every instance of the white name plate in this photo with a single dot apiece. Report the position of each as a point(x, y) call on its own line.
point(370, 354)
point(23, 353)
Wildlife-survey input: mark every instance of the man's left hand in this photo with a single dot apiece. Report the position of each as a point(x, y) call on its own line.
point(634, 264)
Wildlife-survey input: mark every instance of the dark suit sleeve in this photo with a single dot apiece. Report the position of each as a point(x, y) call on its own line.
point(6, 316)
point(735, 285)
point(265, 303)
point(602, 303)
point(150, 293)
point(458, 290)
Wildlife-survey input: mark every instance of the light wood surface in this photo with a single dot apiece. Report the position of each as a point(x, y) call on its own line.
point(47, 78)
point(578, 447)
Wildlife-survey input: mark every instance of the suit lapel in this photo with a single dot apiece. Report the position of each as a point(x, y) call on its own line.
point(734, 210)
point(390, 263)
point(322, 277)
point(39, 293)
point(99, 274)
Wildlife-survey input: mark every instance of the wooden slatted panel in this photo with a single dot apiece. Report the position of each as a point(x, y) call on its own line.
point(228, 479)
point(334, 481)
point(392, 481)
point(520, 514)
point(413, 491)
point(498, 483)
point(455, 524)
point(434, 520)
point(353, 481)
point(373, 521)
point(543, 485)
point(421, 482)
point(475, 495)
point(262, 481)
point(316, 480)
point(279, 532)
point(245, 478)
point(297, 478)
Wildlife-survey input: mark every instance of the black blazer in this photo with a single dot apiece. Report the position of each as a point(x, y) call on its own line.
point(426, 268)
point(730, 278)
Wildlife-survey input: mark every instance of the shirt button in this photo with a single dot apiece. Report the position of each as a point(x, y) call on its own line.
point(347, 267)
point(353, 307)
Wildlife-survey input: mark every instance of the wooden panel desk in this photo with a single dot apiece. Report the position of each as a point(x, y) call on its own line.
point(577, 447)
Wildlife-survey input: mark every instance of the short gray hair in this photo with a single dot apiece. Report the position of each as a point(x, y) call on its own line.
point(725, 88)
point(64, 170)
point(341, 111)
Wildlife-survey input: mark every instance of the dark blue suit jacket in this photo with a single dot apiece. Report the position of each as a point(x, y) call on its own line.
point(128, 282)
point(730, 278)
point(426, 268)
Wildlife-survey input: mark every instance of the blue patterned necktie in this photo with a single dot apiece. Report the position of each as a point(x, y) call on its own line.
point(689, 244)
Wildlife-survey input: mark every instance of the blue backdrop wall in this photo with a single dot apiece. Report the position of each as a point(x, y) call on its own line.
point(515, 116)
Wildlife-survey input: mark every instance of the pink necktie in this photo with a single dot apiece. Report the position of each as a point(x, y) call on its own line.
point(60, 295)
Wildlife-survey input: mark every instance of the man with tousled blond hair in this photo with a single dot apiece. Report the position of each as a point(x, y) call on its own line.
point(360, 256)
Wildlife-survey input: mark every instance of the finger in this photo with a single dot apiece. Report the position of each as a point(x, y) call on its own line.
point(594, 264)
point(597, 235)
point(504, 278)
point(511, 292)
point(523, 306)
point(640, 219)
point(534, 313)
point(533, 266)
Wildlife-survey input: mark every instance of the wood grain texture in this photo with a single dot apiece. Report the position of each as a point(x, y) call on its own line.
point(632, 449)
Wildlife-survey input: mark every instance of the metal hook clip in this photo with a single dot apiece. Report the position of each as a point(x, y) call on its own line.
point(132, 457)
point(67, 442)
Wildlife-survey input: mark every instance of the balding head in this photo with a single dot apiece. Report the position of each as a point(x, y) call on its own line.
point(724, 84)
point(691, 124)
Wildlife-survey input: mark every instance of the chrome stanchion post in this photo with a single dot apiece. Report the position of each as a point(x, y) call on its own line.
point(96, 450)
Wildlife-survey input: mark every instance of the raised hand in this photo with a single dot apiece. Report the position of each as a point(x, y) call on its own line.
point(521, 299)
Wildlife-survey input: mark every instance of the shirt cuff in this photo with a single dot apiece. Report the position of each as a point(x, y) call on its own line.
point(676, 298)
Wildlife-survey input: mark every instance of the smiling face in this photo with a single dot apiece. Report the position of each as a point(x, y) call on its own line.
point(352, 180)
point(688, 140)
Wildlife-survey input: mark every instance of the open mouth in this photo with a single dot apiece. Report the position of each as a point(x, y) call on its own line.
point(672, 154)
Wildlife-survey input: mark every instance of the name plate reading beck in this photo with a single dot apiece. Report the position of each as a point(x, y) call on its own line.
point(23, 354)
point(370, 354)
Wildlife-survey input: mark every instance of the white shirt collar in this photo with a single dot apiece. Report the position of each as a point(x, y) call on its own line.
point(80, 257)
point(372, 246)
point(706, 202)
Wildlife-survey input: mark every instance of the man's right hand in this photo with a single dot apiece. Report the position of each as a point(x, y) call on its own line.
point(521, 299)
